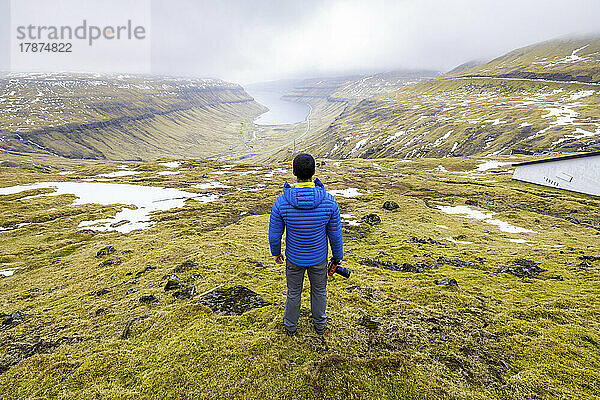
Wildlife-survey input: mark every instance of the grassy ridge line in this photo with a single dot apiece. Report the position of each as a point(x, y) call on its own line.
point(495, 336)
point(568, 59)
point(121, 117)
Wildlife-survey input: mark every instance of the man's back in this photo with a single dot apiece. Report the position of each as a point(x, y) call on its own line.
point(311, 216)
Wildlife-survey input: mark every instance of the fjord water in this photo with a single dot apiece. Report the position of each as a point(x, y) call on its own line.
point(281, 112)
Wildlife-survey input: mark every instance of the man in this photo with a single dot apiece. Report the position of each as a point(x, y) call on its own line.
point(311, 216)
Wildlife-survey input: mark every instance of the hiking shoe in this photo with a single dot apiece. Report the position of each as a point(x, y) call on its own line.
point(320, 332)
point(290, 333)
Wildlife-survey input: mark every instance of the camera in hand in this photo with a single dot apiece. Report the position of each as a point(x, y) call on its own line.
point(335, 267)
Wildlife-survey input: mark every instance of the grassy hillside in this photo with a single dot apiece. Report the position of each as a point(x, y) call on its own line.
point(485, 110)
point(82, 331)
point(121, 117)
point(568, 59)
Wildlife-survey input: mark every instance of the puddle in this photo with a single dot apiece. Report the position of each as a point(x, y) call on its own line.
point(235, 300)
point(467, 212)
point(146, 198)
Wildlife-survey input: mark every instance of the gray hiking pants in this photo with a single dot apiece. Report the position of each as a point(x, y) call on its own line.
point(294, 276)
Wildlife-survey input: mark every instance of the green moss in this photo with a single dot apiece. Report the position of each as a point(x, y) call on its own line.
point(495, 336)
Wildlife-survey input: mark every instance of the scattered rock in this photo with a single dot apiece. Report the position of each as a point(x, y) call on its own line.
point(16, 352)
point(106, 263)
point(472, 202)
point(371, 219)
point(456, 262)
point(369, 322)
point(100, 311)
point(10, 320)
point(119, 223)
point(173, 282)
point(131, 291)
point(194, 276)
point(426, 241)
point(148, 268)
point(105, 251)
point(591, 341)
point(126, 251)
point(186, 293)
point(557, 277)
point(101, 292)
point(446, 282)
point(186, 266)
point(125, 333)
point(573, 220)
point(590, 258)
point(394, 266)
point(33, 290)
point(523, 268)
point(147, 299)
point(390, 205)
point(235, 300)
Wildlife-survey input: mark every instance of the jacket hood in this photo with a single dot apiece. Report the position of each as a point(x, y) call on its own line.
point(305, 198)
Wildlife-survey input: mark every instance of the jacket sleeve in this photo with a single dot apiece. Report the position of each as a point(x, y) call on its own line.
point(334, 233)
point(276, 228)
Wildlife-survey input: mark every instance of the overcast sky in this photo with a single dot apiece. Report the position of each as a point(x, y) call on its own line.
point(249, 41)
point(258, 40)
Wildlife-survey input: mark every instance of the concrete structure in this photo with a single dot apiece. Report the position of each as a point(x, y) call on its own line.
point(577, 173)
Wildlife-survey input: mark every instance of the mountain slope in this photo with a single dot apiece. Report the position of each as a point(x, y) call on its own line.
point(120, 117)
point(575, 59)
point(467, 113)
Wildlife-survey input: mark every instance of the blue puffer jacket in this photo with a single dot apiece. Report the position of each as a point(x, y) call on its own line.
point(310, 215)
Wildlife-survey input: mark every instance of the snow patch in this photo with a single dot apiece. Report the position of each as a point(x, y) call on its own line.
point(484, 217)
point(490, 164)
point(171, 164)
point(145, 199)
point(350, 192)
point(211, 185)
